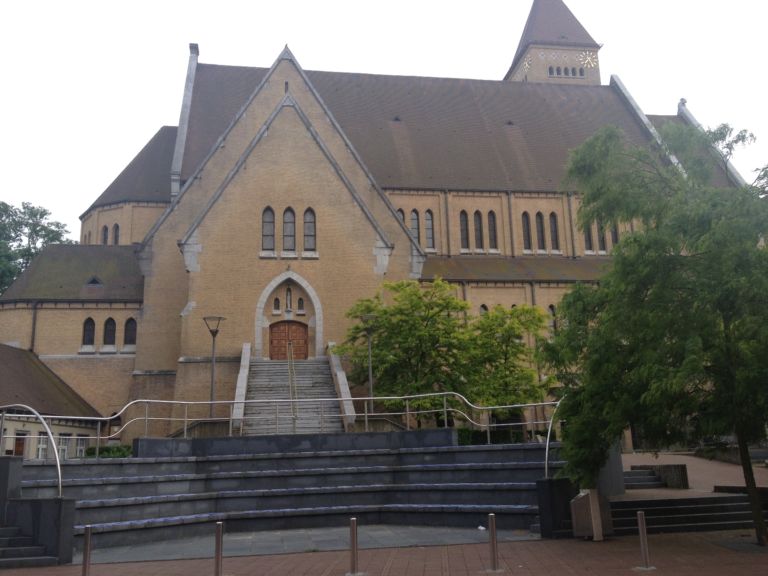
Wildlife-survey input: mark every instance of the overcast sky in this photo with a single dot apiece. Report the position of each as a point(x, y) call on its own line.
point(85, 84)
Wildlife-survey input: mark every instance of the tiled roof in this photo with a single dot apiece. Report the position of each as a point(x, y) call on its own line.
point(438, 133)
point(24, 379)
point(520, 269)
point(551, 23)
point(80, 272)
point(148, 176)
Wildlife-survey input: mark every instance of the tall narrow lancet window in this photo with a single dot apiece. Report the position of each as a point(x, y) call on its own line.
point(552, 318)
point(614, 234)
point(464, 229)
point(109, 332)
point(268, 230)
point(129, 333)
point(429, 230)
point(601, 245)
point(116, 234)
point(589, 245)
point(105, 235)
point(527, 244)
point(289, 230)
point(554, 234)
point(541, 240)
point(415, 224)
point(493, 243)
point(478, 230)
point(310, 232)
point(89, 332)
point(401, 215)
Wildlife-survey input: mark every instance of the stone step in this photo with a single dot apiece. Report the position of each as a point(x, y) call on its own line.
point(21, 551)
point(28, 562)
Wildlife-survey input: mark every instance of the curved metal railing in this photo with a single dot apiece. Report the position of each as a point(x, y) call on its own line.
point(48, 432)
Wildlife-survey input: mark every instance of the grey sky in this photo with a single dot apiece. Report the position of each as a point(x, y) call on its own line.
point(86, 83)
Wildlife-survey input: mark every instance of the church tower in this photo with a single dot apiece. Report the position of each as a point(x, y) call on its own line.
point(555, 48)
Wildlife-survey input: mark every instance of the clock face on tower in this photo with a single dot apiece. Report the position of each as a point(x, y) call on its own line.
point(588, 59)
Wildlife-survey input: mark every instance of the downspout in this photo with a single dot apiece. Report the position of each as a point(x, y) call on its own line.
point(35, 304)
point(447, 222)
point(533, 293)
point(569, 195)
point(511, 226)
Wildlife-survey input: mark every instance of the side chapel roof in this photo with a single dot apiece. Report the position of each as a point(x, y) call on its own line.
point(24, 379)
point(80, 272)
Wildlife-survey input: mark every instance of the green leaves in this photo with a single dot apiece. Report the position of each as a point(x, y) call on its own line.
point(670, 341)
point(423, 341)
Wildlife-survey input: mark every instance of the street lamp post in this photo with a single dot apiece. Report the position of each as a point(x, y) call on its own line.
point(367, 321)
point(212, 323)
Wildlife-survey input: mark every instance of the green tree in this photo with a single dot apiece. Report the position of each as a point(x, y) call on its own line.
point(674, 338)
point(422, 341)
point(502, 366)
point(23, 233)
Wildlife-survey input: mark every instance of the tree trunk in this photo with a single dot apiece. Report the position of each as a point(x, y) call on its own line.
point(755, 501)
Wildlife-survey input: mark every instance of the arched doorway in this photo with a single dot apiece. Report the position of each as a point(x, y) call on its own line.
point(280, 333)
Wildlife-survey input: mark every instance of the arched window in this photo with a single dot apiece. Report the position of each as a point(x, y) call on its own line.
point(581, 72)
point(129, 332)
point(116, 234)
point(89, 332)
point(268, 230)
point(493, 243)
point(573, 71)
point(109, 332)
point(541, 239)
point(104, 235)
point(429, 230)
point(401, 215)
point(464, 229)
point(415, 225)
point(589, 245)
point(559, 71)
point(554, 235)
point(289, 231)
point(478, 230)
point(310, 232)
point(483, 309)
point(300, 305)
point(614, 234)
point(551, 71)
point(601, 245)
point(276, 305)
point(567, 71)
point(527, 244)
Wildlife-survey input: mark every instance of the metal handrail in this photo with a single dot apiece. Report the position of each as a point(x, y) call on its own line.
point(292, 382)
point(47, 431)
point(549, 435)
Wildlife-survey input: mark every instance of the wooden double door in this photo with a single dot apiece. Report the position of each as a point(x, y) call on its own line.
point(280, 333)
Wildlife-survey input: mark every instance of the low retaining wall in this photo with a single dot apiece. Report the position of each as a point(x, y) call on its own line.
point(198, 447)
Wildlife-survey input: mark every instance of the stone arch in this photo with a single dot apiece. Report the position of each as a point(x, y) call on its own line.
point(261, 324)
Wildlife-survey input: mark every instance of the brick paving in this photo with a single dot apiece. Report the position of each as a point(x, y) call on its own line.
point(703, 554)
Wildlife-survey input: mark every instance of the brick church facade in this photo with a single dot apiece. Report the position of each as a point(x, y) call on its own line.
point(285, 195)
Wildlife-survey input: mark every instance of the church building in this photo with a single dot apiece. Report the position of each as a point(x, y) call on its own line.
point(285, 195)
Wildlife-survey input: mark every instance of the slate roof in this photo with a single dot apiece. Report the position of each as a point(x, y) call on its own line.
point(432, 133)
point(551, 23)
point(24, 379)
point(147, 178)
point(80, 272)
point(520, 269)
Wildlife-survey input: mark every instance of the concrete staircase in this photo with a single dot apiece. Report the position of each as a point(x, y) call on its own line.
point(297, 484)
point(642, 479)
point(268, 380)
point(19, 551)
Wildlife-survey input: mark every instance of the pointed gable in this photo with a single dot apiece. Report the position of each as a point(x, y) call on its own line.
point(551, 23)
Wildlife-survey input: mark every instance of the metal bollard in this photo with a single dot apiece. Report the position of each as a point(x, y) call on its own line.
point(493, 542)
point(218, 559)
point(643, 539)
point(87, 551)
point(353, 546)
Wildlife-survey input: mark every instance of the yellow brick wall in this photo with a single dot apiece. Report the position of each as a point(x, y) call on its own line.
point(16, 325)
point(134, 219)
point(60, 329)
point(541, 58)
